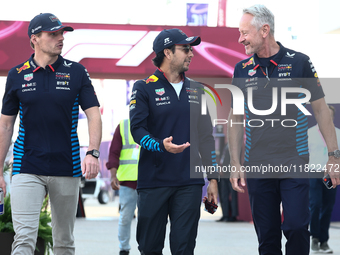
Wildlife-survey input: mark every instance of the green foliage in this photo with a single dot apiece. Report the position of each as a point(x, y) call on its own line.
point(44, 231)
point(7, 168)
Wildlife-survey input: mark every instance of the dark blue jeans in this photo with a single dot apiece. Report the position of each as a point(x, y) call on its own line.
point(182, 206)
point(265, 196)
point(321, 203)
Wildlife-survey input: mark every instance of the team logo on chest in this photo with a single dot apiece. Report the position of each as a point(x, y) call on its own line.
point(284, 67)
point(28, 77)
point(62, 76)
point(160, 92)
point(251, 72)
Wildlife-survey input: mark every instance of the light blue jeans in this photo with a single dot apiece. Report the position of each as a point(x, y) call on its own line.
point(128, 202)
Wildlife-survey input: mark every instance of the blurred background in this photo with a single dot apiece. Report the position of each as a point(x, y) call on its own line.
point(113, 40)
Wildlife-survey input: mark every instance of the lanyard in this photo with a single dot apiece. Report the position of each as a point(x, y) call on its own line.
point(266, 73)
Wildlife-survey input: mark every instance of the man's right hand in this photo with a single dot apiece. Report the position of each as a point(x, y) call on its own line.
point(174, 148)
point(235, 176)
point(115, 183)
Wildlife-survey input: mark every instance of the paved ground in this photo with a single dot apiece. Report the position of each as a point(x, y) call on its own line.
point(97, 234)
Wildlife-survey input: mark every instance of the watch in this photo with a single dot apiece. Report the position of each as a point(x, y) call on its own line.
point(94, 153)
point(335, 153)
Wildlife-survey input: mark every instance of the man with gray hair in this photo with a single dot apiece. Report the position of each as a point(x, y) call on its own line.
point(271, 70)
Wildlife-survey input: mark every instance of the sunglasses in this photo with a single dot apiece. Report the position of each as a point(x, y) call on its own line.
point(186, 49)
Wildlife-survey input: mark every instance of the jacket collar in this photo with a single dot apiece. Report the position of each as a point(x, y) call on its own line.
point(276, 58)
point(161, 75)
point(52, 67)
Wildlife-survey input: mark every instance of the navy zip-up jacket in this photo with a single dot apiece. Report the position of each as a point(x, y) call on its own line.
point(156, 112)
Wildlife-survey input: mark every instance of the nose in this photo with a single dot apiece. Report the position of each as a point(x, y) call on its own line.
point(61, 37)
point(191, 53)
point(241, 39)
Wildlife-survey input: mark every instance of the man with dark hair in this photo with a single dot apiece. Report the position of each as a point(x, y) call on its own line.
point(158, 60)
point(277, 144)
point(47, 91)
point(165, 115)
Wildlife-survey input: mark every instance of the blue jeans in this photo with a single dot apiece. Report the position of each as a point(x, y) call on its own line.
point(128, 202)
point(321, 202)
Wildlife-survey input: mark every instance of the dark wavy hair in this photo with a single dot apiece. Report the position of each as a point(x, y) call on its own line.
point(158, 60)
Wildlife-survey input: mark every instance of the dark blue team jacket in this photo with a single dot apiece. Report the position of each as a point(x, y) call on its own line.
point(156, 112)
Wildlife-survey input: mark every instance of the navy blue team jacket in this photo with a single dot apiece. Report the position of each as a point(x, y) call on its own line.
point(156, 112)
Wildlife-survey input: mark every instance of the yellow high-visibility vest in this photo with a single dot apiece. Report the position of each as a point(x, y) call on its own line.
point(129, 155)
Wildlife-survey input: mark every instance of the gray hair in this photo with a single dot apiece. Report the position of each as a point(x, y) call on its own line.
point(262, 15)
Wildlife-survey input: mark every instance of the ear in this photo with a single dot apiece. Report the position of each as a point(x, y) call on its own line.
point(34, 39)
point(265, 30)
point(167, 53)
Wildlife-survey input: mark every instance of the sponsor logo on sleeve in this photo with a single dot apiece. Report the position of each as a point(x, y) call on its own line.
point(132, 104)
point(87, 73)
point(25, 66)
point(152, 78)
point(250, 61)
point(133, 95)
point(67, 65)
point(290, 55)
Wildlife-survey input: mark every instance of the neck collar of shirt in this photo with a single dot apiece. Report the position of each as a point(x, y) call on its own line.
point(161, 75)
point(274, 60)
point(51, 67)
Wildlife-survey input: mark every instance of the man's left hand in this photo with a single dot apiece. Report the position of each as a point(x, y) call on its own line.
point(90, 167)
point(212, 191)
point(174, 148)
point(333, 169)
